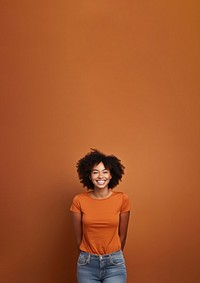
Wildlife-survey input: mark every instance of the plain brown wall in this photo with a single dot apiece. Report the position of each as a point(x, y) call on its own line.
point(120, 76)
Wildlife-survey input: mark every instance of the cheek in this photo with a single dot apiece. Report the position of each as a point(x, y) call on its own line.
point(92, 177)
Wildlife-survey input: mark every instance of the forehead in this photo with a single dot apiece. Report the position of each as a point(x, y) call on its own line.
point(99, 166)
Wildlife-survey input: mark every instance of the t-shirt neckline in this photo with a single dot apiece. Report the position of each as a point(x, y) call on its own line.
point(100, 199)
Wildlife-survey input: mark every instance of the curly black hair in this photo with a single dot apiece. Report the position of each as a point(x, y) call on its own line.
point(84, 167)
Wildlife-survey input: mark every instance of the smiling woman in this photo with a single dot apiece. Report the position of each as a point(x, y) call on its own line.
point(100, 218)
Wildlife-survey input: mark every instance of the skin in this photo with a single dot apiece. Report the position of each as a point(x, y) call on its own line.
point(100, 176)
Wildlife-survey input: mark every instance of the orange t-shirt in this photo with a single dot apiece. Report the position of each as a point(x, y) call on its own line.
point(100, 220)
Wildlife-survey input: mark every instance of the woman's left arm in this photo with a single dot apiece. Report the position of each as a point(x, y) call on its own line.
point(123, 227)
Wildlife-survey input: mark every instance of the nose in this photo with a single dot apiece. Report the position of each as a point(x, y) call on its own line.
point(100, 175)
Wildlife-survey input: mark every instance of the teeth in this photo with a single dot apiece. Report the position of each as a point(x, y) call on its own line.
point(101, 182)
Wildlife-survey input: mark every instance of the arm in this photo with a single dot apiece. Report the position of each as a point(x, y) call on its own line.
point(77, 225)
point(123, 227)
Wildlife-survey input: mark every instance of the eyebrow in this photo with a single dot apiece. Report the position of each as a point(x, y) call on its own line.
point(100, 170)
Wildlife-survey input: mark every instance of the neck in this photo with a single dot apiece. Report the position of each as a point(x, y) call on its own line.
point(101, 193)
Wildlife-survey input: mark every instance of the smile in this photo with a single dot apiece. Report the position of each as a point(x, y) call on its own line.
point(101, 182)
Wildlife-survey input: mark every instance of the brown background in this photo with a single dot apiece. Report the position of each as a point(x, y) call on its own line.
point(120, 76)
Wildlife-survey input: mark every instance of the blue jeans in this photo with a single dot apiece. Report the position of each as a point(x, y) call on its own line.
point(109, 268)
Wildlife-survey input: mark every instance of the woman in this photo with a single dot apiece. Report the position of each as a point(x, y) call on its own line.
point(100, 218)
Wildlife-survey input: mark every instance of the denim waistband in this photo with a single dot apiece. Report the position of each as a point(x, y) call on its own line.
point(101, 256)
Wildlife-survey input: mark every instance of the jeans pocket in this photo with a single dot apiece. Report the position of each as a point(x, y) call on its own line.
point(83, 259)
point(117, 259)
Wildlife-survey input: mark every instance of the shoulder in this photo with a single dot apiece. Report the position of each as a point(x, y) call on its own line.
point(80, 196)
point(121, 195)
point(77, 202)
point(124, 201)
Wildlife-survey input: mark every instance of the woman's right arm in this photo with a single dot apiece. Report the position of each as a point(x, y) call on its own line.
point(77, 224)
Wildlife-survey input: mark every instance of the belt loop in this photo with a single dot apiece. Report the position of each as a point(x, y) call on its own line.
point(88, 258)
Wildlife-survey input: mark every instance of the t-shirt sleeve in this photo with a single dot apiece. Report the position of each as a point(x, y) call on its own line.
point(76, 205)
point(126, 206)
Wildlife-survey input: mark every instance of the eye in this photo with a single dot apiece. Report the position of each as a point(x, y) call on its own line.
point(105, 171)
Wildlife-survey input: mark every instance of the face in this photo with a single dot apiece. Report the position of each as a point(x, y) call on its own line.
point(100, 176)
